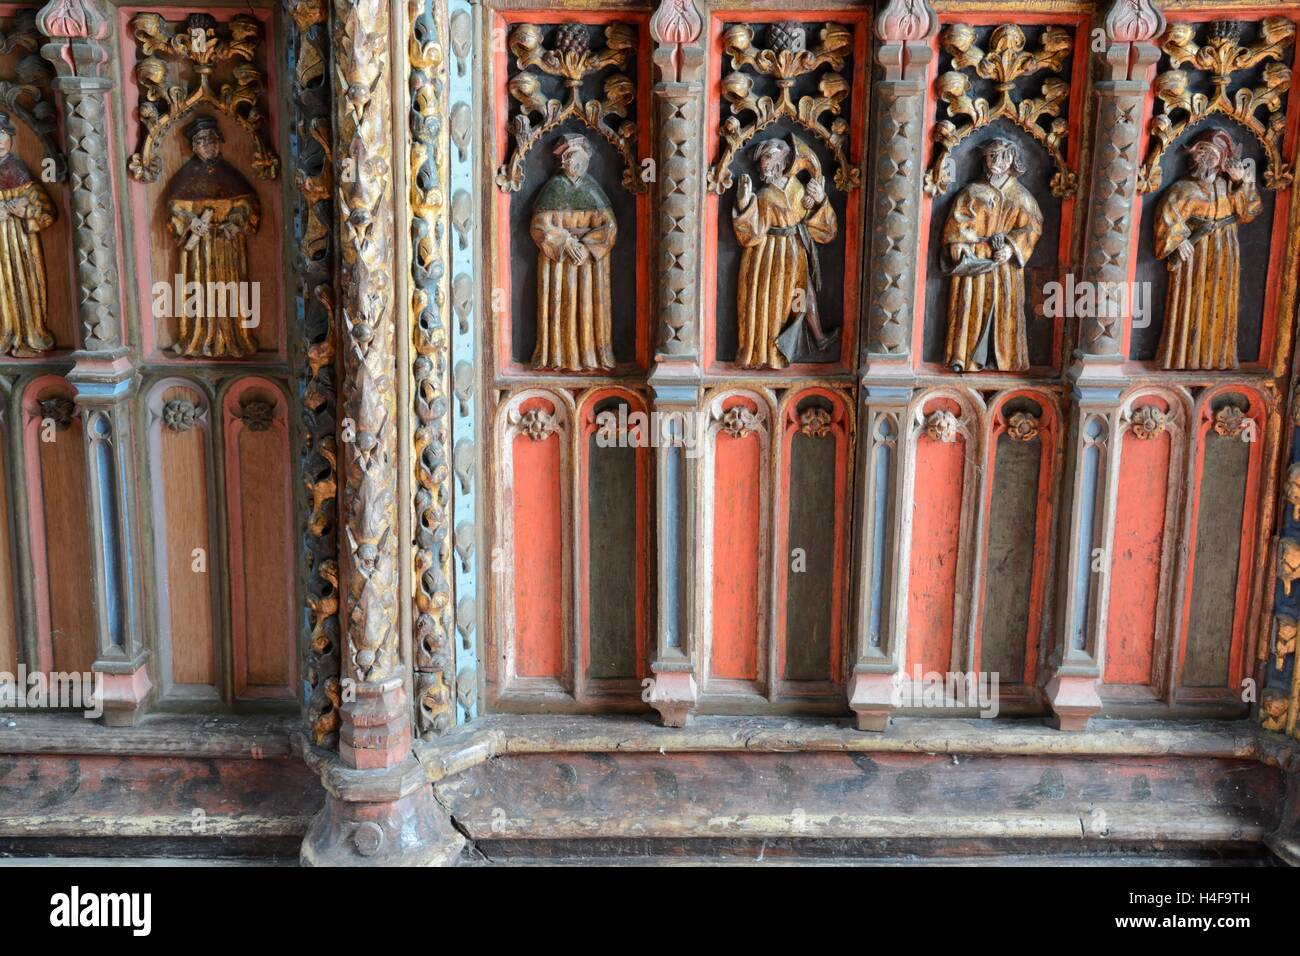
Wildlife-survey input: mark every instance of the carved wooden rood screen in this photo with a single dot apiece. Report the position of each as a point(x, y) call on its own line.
point(400, 395)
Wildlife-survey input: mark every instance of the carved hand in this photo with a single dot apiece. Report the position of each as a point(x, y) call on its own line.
point(1184, 251)
point(814, 193)
point(198, 226)
point(1003, 254)
point(576, 250)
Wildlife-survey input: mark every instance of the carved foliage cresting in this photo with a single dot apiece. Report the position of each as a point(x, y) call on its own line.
point(26, 96)
point(1006, 62)
point(572, 59)
point(198, 49)
point(1259, 108)
point(785, 56)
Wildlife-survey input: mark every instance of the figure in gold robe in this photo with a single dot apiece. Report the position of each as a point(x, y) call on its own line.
point(574, 228)
point(988, 239)
point(25, 209)
point(213, 210)
point(780, 274)
point(1196, 235)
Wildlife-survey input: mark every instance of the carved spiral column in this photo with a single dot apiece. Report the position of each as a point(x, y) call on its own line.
point(104, 374)
point(379, 807)
point(1092, 453)
point(903, 29)
point(677, 27)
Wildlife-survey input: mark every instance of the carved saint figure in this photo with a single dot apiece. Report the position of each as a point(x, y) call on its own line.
point(574, 228)
point(988, 238)
point(780, 273)
point(25, 209)
point(213, 210)
point(1196, 235)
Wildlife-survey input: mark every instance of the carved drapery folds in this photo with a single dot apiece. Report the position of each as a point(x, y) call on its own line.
point(1005, 63)
point(309, 42)
point(1216, 49)
point(434, 655)
point(676, 28)
point(198, 49)
point(784, 55)
point(572, 58)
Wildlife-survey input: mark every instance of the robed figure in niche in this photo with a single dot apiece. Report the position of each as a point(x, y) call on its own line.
point(574, 228)
point(779, 228)
point(988, 238)
point(25, 209)
point(212, 210)
point(1196, 235)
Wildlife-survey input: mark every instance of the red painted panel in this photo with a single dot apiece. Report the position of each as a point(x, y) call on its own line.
point(737, 517)
point(539, 557)
point(1135, 567)
point(936, 538)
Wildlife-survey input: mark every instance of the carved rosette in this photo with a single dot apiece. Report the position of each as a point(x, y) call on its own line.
point(198, 50)
point(363, 171)
point(784, 55)
point(310, 99)
point(1023, 426)
point(1148, 422)
point(739, 421)
point(815, 422)
point(1231, 422)
point(572, 58)
point(942, 425)
point(1216, 49)
point(434, 651)
point(1006, 63)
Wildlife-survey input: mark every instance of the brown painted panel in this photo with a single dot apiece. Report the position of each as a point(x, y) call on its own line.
point(1137, 558)
point(185, 504)
point(612, 508)
point(67, 544)
point(539, 557)
point(737, 520)
point(809, 612)
point(1008, 577)
point(264, 468)
point(1214, 575)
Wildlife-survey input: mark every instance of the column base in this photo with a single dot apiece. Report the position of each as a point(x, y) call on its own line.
point(674, 696)
point(122, 696)
point(1074, 700)
point(872, 700)
point(380, 818)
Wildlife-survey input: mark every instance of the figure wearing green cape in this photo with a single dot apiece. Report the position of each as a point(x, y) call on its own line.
point(573, 226)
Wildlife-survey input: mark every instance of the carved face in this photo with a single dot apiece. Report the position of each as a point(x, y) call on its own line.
point(6, 143)
point(771, 165)
point(998, 162)
point(207, 146)
point(574, 163)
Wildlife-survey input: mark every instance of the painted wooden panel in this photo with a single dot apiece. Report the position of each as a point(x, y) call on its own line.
point(261, 558)
point(182, 509)
point(1009, 562)
point(738, 570)
point(56, 467)
point(1215, 566)
point(1137, 557)
point(813, 506)
point(9, 642)
point(615, 549)
point(936, 538)
point(538, 555)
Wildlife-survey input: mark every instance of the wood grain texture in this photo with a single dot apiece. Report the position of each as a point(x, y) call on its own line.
point(9, 642)
point(936, 537)
point(737, 569)
point(538, 557)
point(1009, 559)
point(268, 576)
point(67, 543)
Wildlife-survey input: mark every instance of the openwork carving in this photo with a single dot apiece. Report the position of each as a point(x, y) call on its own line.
point(1288, 563)
point(1005, 63)
point(786, 57)
point(180, 415)
point(430, 347)
point(1285, 642)
point(941, 425)
point(1148, 422)
point(26, 96)
point(815, 422)
point(1223, 56)
point(257, 414)
point(572, 59)
point(60, 410)
point(1230, 421)
point(199, 47)
point(1291, 490)
point(1023, 426)
point(537, 423)
point(739, 421)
